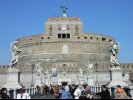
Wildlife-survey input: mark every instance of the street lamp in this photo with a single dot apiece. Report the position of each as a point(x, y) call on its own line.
point(96, 65)
point(32, 66)
point(83, 76)
point(110, 75)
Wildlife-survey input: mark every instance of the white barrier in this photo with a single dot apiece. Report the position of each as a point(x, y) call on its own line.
point(31, 91)
point(13, 93)
point(131, 92)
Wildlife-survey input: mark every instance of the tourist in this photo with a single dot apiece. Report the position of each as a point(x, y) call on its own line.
point(64, 94)
point(77, 92)
point(22, 95)
point(3, 94)
point(38, 91)
point(73, 90)
point(70, 88)
point(129, 96)
point(86, 93)
point(104, 94)
point(82, 91)
point(60, 91)
point(120, 93)
point(67, 88)
point(42, 90)
point(51, 90)
point(46, 90)
point(56, 91)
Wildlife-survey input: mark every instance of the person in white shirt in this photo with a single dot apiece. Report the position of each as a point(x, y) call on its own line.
point(77, 92)
point(23, 95)
point(67, 88)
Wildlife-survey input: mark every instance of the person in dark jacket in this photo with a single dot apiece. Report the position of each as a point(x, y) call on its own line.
point(86, 93)
point(105, 94)
point(73, 90)
point(38, 91)
point(3, 94)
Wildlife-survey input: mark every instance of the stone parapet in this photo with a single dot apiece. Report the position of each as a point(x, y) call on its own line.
point(125, 67)
point(45, 38)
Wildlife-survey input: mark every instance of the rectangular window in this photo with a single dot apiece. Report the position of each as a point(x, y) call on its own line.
point(50, 27)
point(68, 27)
point(59, 27)
point(68, 36)
point(77, 32)
point(63, 36)
point(59, 36)
point(50, 32)
point(76, 27)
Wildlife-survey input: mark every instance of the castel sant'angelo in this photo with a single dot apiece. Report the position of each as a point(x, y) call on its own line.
point(63, 52)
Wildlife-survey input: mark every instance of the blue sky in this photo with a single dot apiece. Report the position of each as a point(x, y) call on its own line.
point(20, 18)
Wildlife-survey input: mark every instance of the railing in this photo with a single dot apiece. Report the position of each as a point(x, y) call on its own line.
point(31, 91)
point(13, 93)
point(112, 91)
point(131, 92)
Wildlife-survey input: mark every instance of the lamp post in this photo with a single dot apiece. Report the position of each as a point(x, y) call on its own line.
point(87, 79)
point(110, 75)
point(77, 79)
point(83, 76)
point(96, 65)
point(32, 85)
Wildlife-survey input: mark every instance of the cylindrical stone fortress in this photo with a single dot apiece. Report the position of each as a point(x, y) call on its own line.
point(60, 31)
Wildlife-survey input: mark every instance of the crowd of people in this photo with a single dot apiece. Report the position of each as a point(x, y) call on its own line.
point(70, 92)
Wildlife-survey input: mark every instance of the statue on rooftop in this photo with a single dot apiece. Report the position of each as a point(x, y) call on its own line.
point(64, 10)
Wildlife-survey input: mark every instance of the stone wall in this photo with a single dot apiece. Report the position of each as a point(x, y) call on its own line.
point(102, 74)
point(92, 48)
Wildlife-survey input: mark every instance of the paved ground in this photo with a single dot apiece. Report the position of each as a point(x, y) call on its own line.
point(45, 97)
